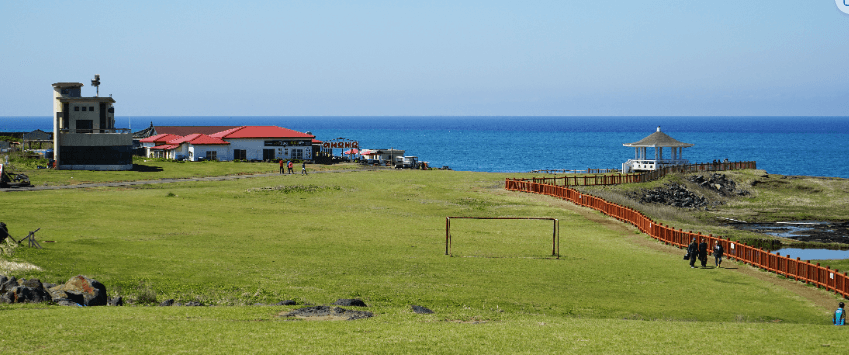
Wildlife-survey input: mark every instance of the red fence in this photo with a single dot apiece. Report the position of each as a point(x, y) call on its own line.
point(641, 177)
point(792, 268)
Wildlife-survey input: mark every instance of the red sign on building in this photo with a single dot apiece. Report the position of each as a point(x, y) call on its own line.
point(340, 144)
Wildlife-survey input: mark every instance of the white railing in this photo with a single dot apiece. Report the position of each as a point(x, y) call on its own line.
point(650, 164)
point(98, 131)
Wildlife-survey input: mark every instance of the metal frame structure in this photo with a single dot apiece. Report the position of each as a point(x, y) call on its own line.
point(555, 235)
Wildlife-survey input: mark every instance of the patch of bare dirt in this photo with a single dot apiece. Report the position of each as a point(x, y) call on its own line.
point(325, 313)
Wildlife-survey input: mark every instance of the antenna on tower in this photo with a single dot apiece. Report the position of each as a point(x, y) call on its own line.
point(96, 83)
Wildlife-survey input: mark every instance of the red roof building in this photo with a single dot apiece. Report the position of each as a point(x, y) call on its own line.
point(231, 143)
point(198, 139)
point(187, 130)
point(158, 139)
point(261, 132)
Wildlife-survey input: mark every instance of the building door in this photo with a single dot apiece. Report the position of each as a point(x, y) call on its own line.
point(102, 113)
point(66, 113)
point(268, 154)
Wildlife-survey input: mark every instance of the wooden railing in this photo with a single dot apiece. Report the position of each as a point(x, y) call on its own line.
point(567, 171)
point(640, 177)
point(821, 276)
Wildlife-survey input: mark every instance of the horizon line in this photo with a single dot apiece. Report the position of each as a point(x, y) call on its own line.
point(447, 116)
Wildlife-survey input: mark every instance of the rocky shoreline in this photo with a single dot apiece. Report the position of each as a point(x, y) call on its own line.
point(677, 195)
point(803, 231)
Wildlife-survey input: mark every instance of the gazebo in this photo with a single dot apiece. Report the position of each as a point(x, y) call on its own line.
point(657, 140)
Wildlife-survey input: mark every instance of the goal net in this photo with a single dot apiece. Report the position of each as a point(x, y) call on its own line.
point(502, 237)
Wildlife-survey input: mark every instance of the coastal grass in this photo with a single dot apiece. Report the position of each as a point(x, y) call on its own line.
point(378, 236)
point(771, 198)
point(227, 330)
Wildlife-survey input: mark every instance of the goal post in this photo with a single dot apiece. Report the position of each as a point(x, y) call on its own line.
point(555, 233)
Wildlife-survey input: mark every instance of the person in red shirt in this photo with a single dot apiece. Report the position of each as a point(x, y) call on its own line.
point(282, 168)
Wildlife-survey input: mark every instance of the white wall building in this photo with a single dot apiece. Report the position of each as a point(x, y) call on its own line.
point(239, 143)
point(267, 143)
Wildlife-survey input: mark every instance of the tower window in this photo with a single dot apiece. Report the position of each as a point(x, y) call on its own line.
point(76, 108)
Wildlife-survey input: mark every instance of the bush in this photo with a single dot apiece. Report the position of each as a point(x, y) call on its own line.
point(7, 248)
point(145, 294)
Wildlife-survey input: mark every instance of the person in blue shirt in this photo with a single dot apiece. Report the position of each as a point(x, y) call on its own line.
point(839, 315)
point(718, 251)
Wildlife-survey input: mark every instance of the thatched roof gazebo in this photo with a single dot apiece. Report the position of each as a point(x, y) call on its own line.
point(657, 140)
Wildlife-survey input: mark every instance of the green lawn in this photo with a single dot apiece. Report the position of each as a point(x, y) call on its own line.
point(155, 169)
point(379, 236)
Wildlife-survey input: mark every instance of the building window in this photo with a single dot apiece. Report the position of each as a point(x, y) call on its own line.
point(298, 153)
point(83, 108)
point(211, 155)
point(84, 126)
point(76, 108)
point(91, 108)
point(240, 154)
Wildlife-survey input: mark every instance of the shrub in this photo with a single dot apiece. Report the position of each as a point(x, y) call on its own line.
point(145, 294)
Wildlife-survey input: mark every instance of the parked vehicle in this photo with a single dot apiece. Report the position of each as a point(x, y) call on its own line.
point(407, 162)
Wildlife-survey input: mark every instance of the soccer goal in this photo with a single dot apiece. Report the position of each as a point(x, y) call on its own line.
point(555, 231)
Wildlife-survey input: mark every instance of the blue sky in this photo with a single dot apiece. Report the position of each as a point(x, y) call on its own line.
point(470, 58)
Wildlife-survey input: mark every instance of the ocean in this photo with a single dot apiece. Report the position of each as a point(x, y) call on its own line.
point(815, 146)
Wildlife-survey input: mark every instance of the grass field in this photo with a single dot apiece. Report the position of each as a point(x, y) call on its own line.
point(380, 236)
point(155, 169)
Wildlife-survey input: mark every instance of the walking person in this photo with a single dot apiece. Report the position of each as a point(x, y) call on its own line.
point(290, 165)
point(693, 252)
point(718, 251)
point(282, 168)
point(304, 167)
point(703, 253)
point(839, 315)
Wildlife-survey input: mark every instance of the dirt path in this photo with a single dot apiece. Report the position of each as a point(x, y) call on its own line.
point(168, 181)
point(820, 297)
